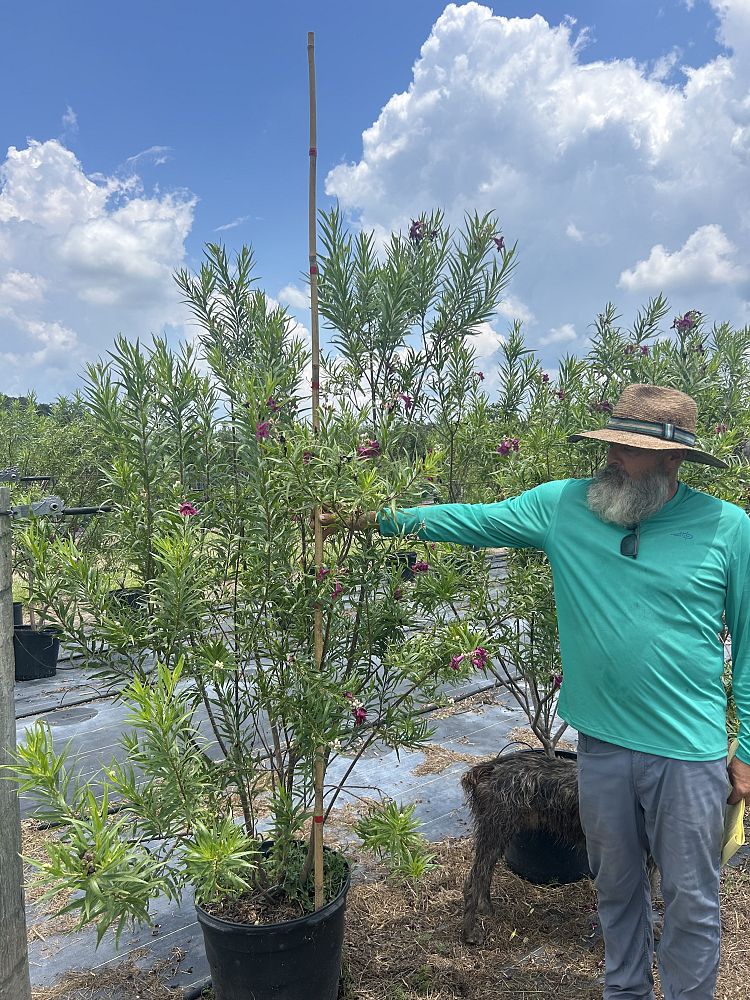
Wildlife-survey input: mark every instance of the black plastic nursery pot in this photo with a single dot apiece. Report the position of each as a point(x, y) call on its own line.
point(36, 652)
point(295, 960)
point(132, 597)
point(17, 613)
point(539, 857)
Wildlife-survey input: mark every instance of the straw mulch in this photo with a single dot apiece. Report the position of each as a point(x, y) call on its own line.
point(124, 980)
point(403, 942)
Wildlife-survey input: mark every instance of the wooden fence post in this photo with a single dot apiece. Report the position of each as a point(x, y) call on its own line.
point(14, 956)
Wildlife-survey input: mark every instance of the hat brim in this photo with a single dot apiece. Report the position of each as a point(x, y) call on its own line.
point(649, 444)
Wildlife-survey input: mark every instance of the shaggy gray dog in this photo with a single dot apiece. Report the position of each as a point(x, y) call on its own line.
point(515, 792)
point(518, 792)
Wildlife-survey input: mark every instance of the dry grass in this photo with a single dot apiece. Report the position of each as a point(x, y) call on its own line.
point(45, 924)
point(403, 943)
point(124, 980)
point(522, 734)
point(437, 759)
point(474, 703)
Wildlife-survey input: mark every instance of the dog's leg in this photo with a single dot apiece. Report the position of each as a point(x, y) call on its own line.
point(489, 846)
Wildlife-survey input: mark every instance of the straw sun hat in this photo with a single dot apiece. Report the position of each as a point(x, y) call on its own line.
point(653, 417)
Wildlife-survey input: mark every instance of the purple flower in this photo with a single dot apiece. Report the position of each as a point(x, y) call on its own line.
point(515, 444)
point(684, 324)
point(629, 349)
point(457, 660)
point(337, 591)
point(479, 657)
point(560, 394)
point(360, 714)
point(420, 566)
point(499, 243)
point(406, 400)
point(187, 509)
point(504, 448)
point(322, 573)
point(602, 406)
point(644, 350)
point(480, 376)
point(306, 456)
point(416, 231)
point(545, 378)
point(398, 594)
point(272, 405)
point(721, 428)
point(369, 450)
point(556, 681)
point(262, 430)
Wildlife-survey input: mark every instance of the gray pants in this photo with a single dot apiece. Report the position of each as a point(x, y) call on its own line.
point(631, 803)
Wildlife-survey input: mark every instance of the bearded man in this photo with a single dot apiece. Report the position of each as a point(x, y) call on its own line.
point(644, 568)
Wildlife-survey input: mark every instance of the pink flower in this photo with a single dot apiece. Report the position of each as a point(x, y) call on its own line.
point(505, 447)
point(556, 681)
point(322, 573)
point(262, 430)
point(456, 661)
point(187, 509)
point(369, 450)
point(420, 566)
point(480, 376)
point(360, 715)
point(272, 405)
point(721, 428)
point(337, 591)
point(406, 400)
point(479, 657)
point(499, 243)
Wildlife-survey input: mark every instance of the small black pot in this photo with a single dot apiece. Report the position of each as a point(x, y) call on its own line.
point(36, 652)
point(406, 561)
point(295, 960)
point(132, 597)
point(539, 857)
point(17, 613)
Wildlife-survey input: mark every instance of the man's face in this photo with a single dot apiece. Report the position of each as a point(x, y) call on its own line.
point(634, 484)
point(637, 463)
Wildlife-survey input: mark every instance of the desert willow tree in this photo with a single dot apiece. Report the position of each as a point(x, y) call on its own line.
point(402, 318)
point(214, 476)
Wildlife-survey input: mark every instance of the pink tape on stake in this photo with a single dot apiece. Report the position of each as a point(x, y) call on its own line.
point(313, 269)
point(313, 151)
point(317, 819)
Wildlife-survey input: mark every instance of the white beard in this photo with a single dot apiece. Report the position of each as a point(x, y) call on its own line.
point(617, 498)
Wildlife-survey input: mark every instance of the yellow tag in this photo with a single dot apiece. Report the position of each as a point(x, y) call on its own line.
point(734, 827)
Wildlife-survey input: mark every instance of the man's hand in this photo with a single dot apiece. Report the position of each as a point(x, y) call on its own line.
point(331, 523)
point(739, 775)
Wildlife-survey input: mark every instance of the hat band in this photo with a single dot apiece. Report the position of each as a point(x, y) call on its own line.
point(667, 432)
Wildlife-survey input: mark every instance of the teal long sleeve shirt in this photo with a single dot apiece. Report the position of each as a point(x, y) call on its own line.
point(639, 638)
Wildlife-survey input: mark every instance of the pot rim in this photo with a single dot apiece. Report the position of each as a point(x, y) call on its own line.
point(219, 923)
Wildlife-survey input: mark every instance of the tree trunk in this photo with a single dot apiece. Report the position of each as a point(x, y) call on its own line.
point(14, 958)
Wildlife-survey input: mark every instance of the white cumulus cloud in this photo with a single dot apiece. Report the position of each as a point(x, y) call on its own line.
point(705, 258)
point(82, 257)
point(590, 164)
point(292, 295)
point(559, 335)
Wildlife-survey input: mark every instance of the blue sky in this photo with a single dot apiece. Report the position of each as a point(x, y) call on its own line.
point(140, 132)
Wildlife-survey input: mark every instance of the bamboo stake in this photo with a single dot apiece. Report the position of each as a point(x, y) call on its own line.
point(318, 613)
point(14, 958)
